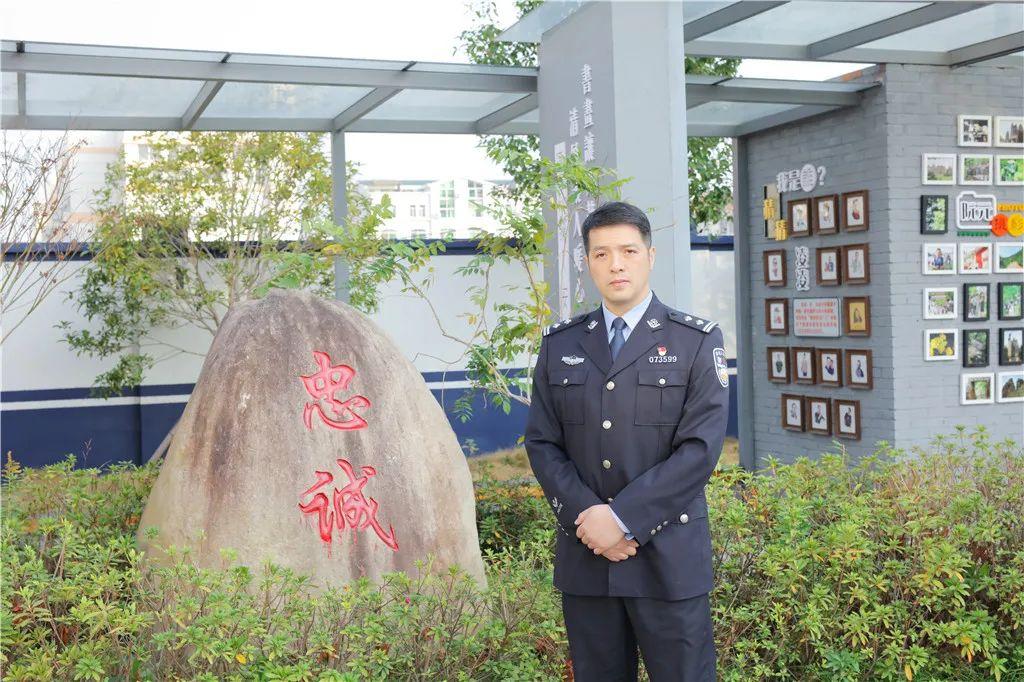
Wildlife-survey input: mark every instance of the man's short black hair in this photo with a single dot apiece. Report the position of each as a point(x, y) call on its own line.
point(616, 213)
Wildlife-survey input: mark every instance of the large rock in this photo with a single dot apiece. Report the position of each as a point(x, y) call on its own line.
point(309, 440)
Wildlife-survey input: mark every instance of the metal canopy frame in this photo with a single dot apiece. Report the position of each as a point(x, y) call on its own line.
point(708, 24)
point(202, 80)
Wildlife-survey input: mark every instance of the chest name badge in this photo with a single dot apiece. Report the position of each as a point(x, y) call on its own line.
point(571, 360)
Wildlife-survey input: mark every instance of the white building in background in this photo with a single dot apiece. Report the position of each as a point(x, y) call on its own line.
point(430, 209)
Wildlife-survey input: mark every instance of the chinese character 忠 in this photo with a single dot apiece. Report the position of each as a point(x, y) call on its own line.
point(348, 505)
point(322, 386)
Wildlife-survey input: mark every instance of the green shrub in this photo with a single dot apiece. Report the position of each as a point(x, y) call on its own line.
point(896, 567)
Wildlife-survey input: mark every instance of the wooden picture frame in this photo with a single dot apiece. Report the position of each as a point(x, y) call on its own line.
point(776, 374)
point(934, 214)
point(816, 410)
point(860, 271)
point(859, 376)
point(793, 209)
point(826, 214)
point(855, 211)
point(767, 258)
point(854, 309)
point(803, 366)
point(788, 416)
point(829, 365)
point(975, 344)
point(776, 329)
point(833, 257)
point(976, 303)
point(846, 418)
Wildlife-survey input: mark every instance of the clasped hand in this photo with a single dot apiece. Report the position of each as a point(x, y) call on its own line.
point(597, 528)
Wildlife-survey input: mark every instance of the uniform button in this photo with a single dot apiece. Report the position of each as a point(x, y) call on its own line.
point(653, 531)
point(659, 526)
point(606, 424)
point(684, 518)
point(610, 385)
point(610, 499)
point(565, 380)
point(661, 381)
point(607, 465)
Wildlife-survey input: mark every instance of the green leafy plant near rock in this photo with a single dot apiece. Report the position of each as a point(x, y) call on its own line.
point(898, 567)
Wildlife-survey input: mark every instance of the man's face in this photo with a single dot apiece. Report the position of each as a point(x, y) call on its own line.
point(620, 263)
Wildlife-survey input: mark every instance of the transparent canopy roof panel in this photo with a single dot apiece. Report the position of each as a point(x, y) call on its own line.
point(66, 95)
point(115, 51)
point(802, 23)
point(10, 93)
point(443, 105)
point(784, 84)
point(732, 113)
point(975, 26)
point(282, 100)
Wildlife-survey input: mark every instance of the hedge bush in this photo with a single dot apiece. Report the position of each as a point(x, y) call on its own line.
point(900, 566)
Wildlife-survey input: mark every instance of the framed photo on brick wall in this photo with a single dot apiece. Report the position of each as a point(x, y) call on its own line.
point(798, 212)
point(778, 364)
point(826, 214)
point(855, 264)
point(819, 415)
point(792, 412)
point(776, 316)
point(858, 368)
point(934, 214)
point(855, 211)
point(847, 418)
point(829, 362)
point(857, 316)
point(774, 264)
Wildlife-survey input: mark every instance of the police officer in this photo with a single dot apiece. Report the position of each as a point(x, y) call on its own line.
point(626, 424)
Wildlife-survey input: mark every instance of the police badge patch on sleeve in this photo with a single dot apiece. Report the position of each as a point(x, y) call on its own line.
point(722, 367)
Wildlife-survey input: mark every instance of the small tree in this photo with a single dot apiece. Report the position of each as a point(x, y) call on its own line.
point(40, 234)
point(210, 220)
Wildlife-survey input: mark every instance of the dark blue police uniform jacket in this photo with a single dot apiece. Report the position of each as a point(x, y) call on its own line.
point(642, 434)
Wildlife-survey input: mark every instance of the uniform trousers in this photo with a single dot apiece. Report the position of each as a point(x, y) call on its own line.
point(676, 638)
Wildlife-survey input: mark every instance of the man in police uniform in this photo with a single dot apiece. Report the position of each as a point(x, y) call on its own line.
point(626, 424)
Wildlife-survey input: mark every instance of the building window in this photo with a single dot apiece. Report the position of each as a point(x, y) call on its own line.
point(448, 200)
point(422, 210)
point(419, 233)
point(412, 210)
point(476, 194)
point(387, 234)
point(447, 233)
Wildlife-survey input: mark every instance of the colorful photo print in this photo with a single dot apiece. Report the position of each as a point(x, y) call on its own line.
point(975, 169)
point(855, 264)
point(1009, 257)
point(1010, 169)
point(799, 215)
point(858, 368)
point(847, 418)
point(803, 366)
point(857, 316)
point(855, 211)
point(830, 366)
point(975, 348)
point(1010, 296)
point(974, 130)
point(825, 214)
point(819, 417)
point(774, 262)
point(934, 214)
point(778, 364)
point(975, 258)
point(976, 389)
point(940, 344)
point(776, 316)
point(941, 303)
point(1011, 343)
point(938, 259)
point(1010, 131)
point(975, 302)
point(829, 269)
point(1010, 387)
point(792, 412)
point(938, 169)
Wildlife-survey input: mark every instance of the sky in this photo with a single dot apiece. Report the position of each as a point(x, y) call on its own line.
point(368, 29)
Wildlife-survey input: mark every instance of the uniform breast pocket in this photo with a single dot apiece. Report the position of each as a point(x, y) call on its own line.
point(660, 394)
point(567, 392)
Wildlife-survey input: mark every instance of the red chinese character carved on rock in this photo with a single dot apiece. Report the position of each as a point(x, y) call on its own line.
point(322, 386)
point(349, 505)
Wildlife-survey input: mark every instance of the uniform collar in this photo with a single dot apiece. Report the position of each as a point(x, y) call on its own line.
point(631, 316)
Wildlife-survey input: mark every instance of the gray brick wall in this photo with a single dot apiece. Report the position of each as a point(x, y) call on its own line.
point(877, 146)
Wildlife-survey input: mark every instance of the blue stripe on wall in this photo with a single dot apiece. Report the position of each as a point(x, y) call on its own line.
point(104, 434)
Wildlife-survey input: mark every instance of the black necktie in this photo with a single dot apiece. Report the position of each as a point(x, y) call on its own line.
point(618, 340)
